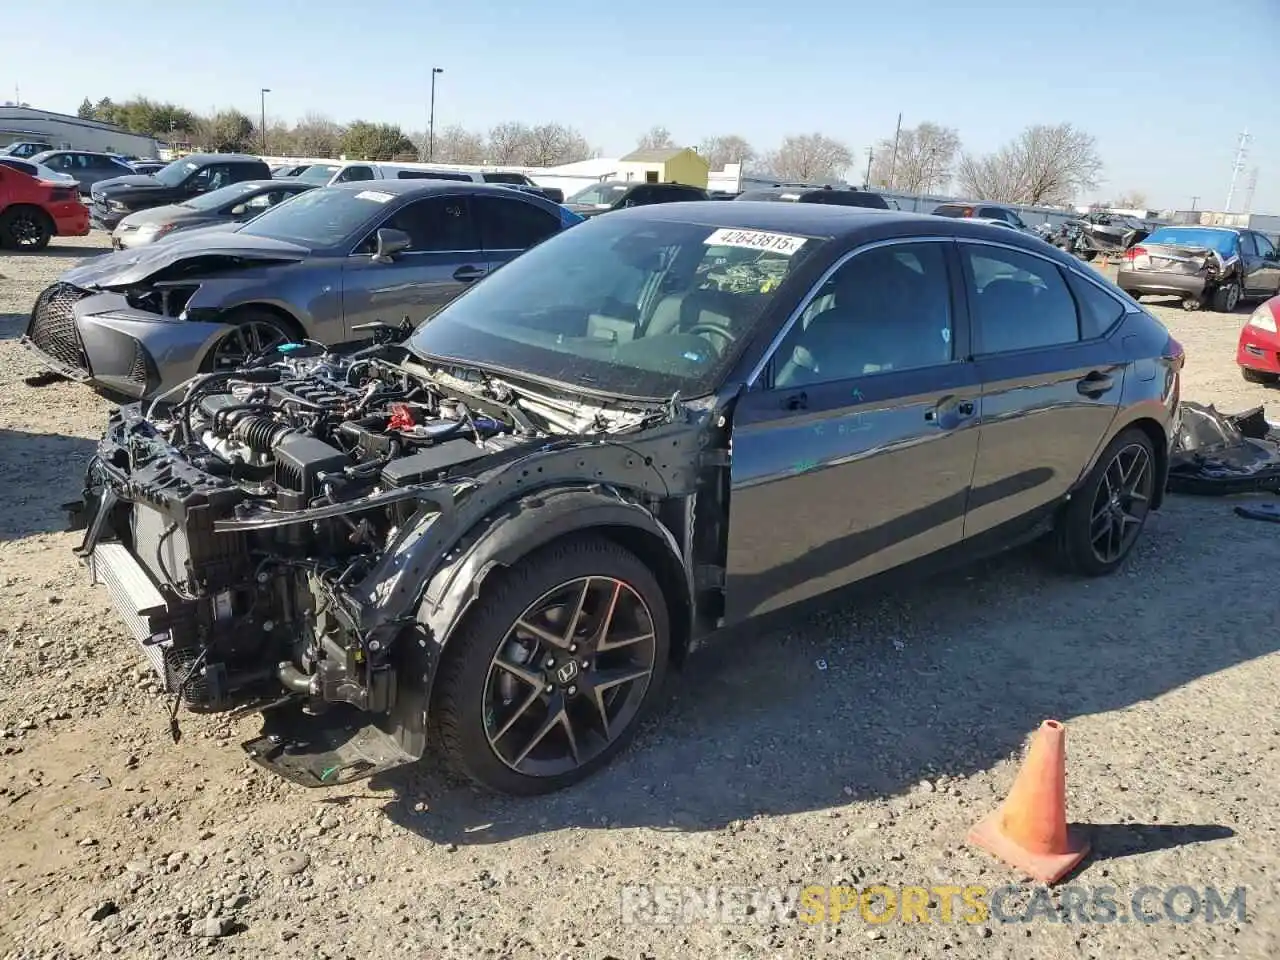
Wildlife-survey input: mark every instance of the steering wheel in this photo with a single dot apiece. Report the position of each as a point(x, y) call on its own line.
point(723, 333)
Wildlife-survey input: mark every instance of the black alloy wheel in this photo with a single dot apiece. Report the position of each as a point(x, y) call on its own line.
point(25, 228)
point(1104, 517)
point(1121, 502)
point(552, 674)
point(247, 338)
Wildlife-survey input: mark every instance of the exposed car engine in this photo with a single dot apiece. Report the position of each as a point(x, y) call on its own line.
point(259, 493)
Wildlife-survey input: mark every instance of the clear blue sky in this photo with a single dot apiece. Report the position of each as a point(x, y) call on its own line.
point(1165, 86)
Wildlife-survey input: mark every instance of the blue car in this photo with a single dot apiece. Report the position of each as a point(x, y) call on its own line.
point(319, 266)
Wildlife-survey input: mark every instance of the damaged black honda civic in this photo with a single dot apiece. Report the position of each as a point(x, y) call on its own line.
point(492, 535)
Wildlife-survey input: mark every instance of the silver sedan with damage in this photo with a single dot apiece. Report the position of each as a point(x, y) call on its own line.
point(320, 267)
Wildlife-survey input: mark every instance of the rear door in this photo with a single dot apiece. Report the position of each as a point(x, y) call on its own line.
point(856, 451)
point(1051, 380)
point(443, 257)
point(509, 225)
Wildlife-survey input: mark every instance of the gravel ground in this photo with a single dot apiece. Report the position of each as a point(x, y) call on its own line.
point(855, 749)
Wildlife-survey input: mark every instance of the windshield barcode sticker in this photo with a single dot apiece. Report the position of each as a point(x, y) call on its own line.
point(373, 195)
point(756, 240)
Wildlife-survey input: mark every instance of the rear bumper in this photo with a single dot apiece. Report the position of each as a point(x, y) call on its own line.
point(70, 219)
point(1139, 282)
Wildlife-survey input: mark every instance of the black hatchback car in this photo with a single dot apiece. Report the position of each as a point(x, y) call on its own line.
point(114, 199)
point(498, 534)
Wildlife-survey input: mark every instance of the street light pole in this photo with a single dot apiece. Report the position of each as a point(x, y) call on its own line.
point(431, 117)
point(263, 128)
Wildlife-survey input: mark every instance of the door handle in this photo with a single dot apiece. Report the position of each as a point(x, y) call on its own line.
point(1094, 385)
point(963, 408)
point(468, 273)
point(797, 401)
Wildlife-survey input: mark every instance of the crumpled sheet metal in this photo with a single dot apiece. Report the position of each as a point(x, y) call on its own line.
point(1218, 454)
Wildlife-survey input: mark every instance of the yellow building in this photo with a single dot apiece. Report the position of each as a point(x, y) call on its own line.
point(669, 165)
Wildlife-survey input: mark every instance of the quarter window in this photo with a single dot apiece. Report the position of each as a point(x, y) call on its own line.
point(1099, 310)
point(1019, 302)
point(512, 224)
point(884, 310)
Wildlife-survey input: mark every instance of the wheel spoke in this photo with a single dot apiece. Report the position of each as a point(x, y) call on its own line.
point(625, 641)
point(543, 634)
point(520, 673)
point(608, 679)
point(520, 711)
point(572, 629)
point(552, 721)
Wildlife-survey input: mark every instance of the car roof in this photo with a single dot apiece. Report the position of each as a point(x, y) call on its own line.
point(427, 185)
point(821, 220)
point(222, 158)
point(273, 183)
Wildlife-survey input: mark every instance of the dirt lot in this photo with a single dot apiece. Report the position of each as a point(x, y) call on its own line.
point(766, 771)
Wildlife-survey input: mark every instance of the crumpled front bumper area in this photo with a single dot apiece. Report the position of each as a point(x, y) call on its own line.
point(1218, 454)
point(72, 343)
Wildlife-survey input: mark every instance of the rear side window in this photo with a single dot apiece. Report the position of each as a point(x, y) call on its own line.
point(355, 173)
point(1099, 310)
point(516, 178)
point(1019, 302)
point(431, 175)
point(952, 210)
point(512, 224)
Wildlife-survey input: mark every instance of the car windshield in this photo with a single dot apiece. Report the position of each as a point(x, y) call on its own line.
point(606, 306)
point(600, 193)
point(217, 198)
point(319, 173)
point(176, 172)
point(319, 218)
point(1223, 241)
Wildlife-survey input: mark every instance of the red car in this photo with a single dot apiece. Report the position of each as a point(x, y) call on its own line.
point(1259, 350)
point(34, 210)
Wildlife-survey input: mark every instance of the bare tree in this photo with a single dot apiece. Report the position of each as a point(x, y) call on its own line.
point(730, 148)
point(1132, 200)
point(317, 136)
point(456, 144)
point(657, 138)
point(508, 142)
point(551, 144)
point(809, 157)
point(1045, 165)
point(925, 159)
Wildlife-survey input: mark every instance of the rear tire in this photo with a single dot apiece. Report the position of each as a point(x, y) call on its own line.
point(1259, 376)
point(489, 717)
point(25, 228)
point(1227, 298)
point(1105, 517)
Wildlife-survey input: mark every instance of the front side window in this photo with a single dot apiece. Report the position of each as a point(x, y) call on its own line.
point(1265, 247)
point(884, 310)
point(355, 173)
point(1018, 301)
point(637, 309)
point(434, 225)
point(1247, 246)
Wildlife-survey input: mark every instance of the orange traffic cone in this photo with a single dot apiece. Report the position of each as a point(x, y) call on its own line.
point(1029, 830)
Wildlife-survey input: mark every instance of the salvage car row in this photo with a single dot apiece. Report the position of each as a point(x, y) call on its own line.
point(493, 529)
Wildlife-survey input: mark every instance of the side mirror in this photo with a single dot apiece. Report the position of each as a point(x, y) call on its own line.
point(239, 210)
point(389, 242)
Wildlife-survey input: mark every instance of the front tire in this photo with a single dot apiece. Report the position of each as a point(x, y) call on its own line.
point(1104, 519)
point(250, 333)
point(550, 675)
point(25, 228)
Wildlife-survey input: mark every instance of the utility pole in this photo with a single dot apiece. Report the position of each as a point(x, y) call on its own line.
point(893, 162)
point(1193, 202)
point(263, 128)
point(1236, 167)
point(431, 116)
point(1248, 190)
point(866, 181)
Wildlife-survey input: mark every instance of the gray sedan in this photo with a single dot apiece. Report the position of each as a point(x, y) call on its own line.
point(84, 167)
point(319, 267)
point(234, 204)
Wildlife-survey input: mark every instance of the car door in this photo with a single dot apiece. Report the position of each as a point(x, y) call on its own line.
point(855, 451)
point(444, 256)
point(1268, 276)
point(509, 226)
point(1051, 380)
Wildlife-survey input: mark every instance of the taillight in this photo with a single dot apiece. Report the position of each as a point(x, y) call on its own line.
point(1133, 253)
point(63, 193)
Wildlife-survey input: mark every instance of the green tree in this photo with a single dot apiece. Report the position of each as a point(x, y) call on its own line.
point(227, 131)
point(105, 110)
point(375, 141)
point(85, 111)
